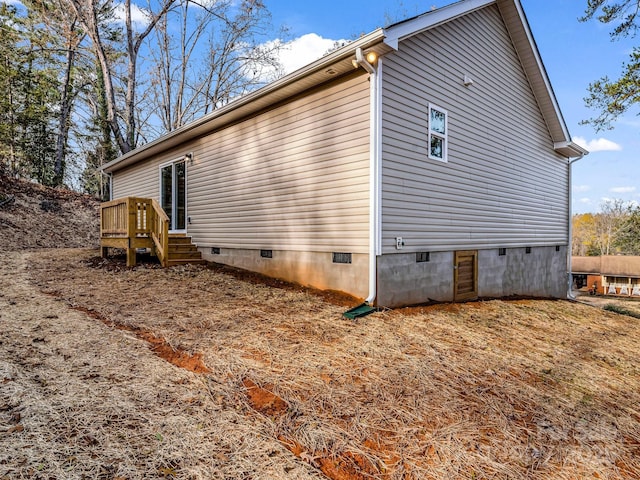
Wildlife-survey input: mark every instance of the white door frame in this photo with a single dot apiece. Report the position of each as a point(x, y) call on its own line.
point(174, 194)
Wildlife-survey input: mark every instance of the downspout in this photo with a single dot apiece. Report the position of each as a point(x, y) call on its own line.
point(570, 229)
point(374, 172)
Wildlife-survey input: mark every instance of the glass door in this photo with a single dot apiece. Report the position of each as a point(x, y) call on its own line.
point(173, 195)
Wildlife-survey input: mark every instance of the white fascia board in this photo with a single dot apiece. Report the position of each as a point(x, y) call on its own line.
point(408, 28)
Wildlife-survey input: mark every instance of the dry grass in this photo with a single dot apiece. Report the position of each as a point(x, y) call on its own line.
point(520, 389)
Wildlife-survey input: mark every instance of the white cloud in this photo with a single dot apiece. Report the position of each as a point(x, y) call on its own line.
point(139, 16)
point(586, 201)
point(295, 54)
point(598, 144)
point(622, 189)
point(581, 188)
point(13, 2)
point(304, 50)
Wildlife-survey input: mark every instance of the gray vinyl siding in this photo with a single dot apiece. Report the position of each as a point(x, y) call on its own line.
point(503, 184)
point(140, 180)
point(293, 178)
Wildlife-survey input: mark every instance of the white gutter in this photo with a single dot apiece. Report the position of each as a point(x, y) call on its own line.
point(374, 171)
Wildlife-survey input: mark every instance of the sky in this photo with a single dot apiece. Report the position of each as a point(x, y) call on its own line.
point(574, 54)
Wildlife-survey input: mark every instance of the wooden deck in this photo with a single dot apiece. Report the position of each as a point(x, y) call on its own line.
point(131, 223)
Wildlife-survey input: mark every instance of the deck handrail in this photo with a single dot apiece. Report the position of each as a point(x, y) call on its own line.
point(160, 232)
point(138, 222)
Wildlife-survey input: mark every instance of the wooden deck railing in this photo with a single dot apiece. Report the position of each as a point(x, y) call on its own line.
point(132, 223)
point(160, 232)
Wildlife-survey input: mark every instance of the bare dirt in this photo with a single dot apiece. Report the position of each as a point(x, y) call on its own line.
point(205, 372)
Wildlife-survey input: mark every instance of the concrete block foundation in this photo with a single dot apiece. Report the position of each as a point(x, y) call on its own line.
point(542, 272)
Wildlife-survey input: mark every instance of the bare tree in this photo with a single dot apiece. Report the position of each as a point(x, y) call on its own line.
point(608, 224)
point(92, 14)
point(57, 16)
point(216, 56)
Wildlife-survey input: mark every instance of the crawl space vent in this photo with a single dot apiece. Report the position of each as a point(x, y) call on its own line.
point(422, 257)
point(341, 257)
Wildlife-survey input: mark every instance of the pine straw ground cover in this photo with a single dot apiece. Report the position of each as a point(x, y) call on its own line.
point(495, 389)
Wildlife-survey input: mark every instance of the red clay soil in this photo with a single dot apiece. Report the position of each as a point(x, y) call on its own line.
point(177, 357)
point(346, 466)
point(159, 346)
point(264, 401)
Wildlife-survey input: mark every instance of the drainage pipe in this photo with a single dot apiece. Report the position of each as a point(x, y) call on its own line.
point(374, 171)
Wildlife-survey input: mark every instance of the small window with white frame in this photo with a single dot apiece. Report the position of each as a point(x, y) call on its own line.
point(438, 131)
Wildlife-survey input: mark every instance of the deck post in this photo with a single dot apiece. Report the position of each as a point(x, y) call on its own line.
point(131, 257)
point(131, 230)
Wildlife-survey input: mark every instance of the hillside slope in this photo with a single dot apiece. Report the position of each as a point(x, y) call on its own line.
point(34, 216)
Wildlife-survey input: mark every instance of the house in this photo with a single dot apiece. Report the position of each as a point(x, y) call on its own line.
point(424, 161)
point(609, 274)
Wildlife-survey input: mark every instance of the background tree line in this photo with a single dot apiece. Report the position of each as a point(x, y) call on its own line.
point(615, 230)
point(84, 81)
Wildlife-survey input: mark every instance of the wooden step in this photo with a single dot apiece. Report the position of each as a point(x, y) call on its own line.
point(182, 240)
point(179, 261)
point(185, 255)
point(182, 248)
point(182, 251)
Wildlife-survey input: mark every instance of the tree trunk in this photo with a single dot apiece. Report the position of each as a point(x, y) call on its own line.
point(65, 113)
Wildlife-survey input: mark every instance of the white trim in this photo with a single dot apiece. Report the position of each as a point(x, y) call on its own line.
point(174, 193)
point(374, 167)
point(375, 147)
point(378, 156)
point(403, 30)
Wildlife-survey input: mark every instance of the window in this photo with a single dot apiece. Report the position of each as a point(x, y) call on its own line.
point(527, 250)
point(502, 252)
point(438, 131)
point(266, 253)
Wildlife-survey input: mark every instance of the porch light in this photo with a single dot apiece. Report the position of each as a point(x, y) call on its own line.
point(372, 57)
point(189, 158)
